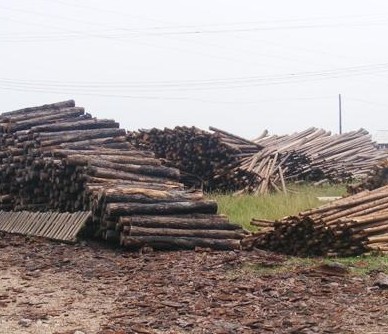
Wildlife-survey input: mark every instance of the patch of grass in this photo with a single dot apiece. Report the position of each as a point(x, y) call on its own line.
point(359, 266)
point(362, 265)
point(242, 208)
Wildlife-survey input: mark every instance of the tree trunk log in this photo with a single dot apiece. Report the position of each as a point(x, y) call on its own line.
point(195, 233)
point(170, 243)
point(213, 222)
point(117, 209)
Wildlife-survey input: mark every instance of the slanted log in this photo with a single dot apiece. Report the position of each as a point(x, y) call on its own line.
point(55, 106)
point(159, 171)
point(61, 114)
point(143, 195)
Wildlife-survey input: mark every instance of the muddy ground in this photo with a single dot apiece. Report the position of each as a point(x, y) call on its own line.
point(48, 288)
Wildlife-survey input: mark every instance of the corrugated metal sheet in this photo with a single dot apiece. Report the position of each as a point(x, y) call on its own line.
point(52, 225)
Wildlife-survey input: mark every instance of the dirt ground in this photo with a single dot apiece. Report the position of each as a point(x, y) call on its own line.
point(51, 288)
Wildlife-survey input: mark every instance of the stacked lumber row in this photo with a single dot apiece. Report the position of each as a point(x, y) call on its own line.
point(349, 226)
point(323, 156)
point(225, 162)
point(266, 166)
point(207, 160)
point(377, 177)
point(56, 157)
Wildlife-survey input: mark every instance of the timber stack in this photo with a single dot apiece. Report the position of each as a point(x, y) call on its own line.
point(210, 161)
point(377, 177)
point(323, 156)
point(222, 161)
point(346, 227)
point(57, 157)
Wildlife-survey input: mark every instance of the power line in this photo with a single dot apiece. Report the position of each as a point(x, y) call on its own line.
point(221, 83)
point(167, 98)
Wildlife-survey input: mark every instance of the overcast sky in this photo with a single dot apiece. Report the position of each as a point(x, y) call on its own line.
point(242, 66)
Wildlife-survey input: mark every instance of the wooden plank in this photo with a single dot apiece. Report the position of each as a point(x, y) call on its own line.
point(52, 225)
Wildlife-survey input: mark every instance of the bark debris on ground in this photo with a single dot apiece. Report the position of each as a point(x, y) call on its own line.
point(51, 288)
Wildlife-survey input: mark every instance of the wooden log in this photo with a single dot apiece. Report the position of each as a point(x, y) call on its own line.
point(92, 144)
point(174, 232)
point(121, 209)
point(55, 106)
point(55, 138)
point(105, 153)
point(114, 174)
point(144, 195)
point(62, 114)
point(159, 242)
point(159, 171)
point(83, 124)
point(103, 183)
point(205, 221)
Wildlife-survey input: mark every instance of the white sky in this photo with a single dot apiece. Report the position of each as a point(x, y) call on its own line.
point(242, 66)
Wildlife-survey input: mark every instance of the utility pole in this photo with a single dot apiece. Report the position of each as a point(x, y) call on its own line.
point(340, 113)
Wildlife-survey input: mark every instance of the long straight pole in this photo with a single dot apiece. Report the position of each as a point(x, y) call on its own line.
point(340, 113)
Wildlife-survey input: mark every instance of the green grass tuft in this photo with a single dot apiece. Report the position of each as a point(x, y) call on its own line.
point(242, 208)
point(358, 266)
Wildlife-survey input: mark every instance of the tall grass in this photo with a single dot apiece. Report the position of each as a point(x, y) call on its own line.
point(242, 208)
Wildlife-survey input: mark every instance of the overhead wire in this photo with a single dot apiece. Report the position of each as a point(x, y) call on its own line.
point(197, 85)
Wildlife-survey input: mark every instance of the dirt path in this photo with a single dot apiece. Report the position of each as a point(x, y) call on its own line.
point(48, 288)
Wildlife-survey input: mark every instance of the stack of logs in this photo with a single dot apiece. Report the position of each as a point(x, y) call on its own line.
point(224, 162)
point(327, 157)
point(349, 226)
point(57, 157)
point(377, 177)
point(207, 161)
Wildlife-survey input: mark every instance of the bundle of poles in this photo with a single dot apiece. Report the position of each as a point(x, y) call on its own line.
point(221, 161)
point(377, 177)
point(349, 226)
point(57, 157)
point(210, 161)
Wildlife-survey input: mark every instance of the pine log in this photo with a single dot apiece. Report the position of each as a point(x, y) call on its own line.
point(143, 195)
point(55, 106)
point(55, 138)
point(117, 209)
point(114, 174)
point(171, 243)
point(194, 233)
point(83, 124)
point(159, 171)
point(213, 222)
point(61, 114)
point(106, 153)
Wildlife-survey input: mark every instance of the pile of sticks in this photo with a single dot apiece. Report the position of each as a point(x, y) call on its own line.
point(210, 161)
point(222, 161)
point(377, 177)
point(57, 157)
point(325, 157)
point(349, 226)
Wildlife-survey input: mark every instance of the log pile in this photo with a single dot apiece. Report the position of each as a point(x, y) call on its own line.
point(221, 161)
point(377, 177)
point(209, 161)
point(349, 226)
point(57, 157)
point(335, 158)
